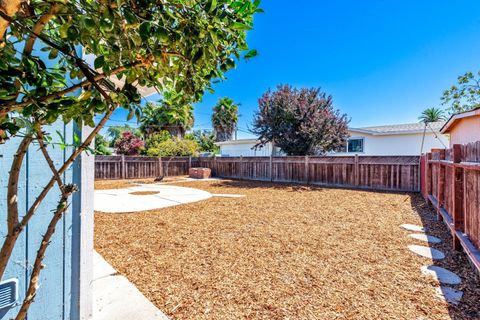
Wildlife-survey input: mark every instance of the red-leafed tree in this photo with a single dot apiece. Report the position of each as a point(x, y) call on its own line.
point(129, 144)
point(300, 121)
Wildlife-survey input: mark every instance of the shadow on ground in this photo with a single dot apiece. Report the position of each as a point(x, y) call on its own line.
point(455, 261)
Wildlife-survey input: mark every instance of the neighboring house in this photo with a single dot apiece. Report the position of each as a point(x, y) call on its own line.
point(463, 127)
point(392, 140)
point(244, 147)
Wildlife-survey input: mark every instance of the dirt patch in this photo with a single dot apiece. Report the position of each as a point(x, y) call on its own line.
point(144, 193)
point(285, 251)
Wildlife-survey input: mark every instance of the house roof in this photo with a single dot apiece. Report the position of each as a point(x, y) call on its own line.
point(394, 129)
point(457, 117)
point(239, 141)
point(406, 128)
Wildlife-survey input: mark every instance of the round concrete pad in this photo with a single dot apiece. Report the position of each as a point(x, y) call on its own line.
point(441, 274)
point(412, 227)
point(427, 252)
point(424, 237)
point(121, 200)
point(450, 295)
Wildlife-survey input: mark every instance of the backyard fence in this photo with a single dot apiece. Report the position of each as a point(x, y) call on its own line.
point(400, 173)
point(137, 167)
point(451, 182)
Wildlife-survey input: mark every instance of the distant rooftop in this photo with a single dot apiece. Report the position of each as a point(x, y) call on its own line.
point(400, 128)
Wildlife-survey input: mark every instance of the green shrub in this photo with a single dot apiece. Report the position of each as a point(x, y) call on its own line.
point(162, 144)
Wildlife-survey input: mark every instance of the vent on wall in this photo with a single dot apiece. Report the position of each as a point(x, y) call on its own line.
point(8, 293)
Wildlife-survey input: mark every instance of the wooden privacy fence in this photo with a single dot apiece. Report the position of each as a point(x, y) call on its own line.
point(451, 182)
point(137, 167)
point(370, 172)
point(385, 173)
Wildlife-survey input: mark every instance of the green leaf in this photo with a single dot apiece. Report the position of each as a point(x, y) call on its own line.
point(250, 54)
point(99, 62)
point(211, 5)
point(241, 26)
point(144, 30)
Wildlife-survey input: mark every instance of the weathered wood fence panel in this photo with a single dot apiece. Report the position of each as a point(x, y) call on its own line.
point(137, 167)
point(385, 173)
point(451, 182)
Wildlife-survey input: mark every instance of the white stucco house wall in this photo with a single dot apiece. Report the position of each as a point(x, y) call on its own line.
point(387, 140)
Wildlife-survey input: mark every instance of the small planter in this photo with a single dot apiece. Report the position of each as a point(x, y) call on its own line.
point(199, 173)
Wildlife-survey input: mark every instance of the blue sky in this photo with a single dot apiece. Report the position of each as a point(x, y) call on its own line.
point(382, 61)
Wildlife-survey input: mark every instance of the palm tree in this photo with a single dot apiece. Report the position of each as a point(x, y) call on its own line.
point(225, 118)
point(172, 117)
point(430, 115)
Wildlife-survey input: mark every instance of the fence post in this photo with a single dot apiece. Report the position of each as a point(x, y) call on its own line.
point(270, 171)
point(307, 176)
point(428, 173)
point(160, 167)
point(215, 166)
point(440, 183)
point(241, 167)
point(356, 170)
point(124, 171)
point(458, 194)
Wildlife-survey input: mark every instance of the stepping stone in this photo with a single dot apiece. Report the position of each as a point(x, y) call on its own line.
point(441, 274)
point(450, 295)
point(424, 237)
point(228, 195)
point(412, 227)
point(427, 252)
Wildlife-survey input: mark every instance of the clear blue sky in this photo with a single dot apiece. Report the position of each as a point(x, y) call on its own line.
point(382, 61)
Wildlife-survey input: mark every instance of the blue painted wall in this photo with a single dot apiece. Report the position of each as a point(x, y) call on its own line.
point(53, 299)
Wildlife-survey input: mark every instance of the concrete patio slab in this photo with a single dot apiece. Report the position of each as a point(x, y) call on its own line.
point(424, 237)
point(427, 252)
point(412, 227)
point(125, 200)
point(101, 268)
point(449, 294)
point(115, 298)
point(442, 275)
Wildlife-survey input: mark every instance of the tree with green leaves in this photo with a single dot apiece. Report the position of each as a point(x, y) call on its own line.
point(432, 115)
point(465, 95)
point(170, 45)
point(171, 115)
point(428, 116)
point(115, 132)
point(300, 121)
point(205, 140)
point(101, 146)
point(163, 144)
point(225, 118)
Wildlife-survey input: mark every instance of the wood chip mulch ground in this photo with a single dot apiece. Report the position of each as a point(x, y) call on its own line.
point(285, 252)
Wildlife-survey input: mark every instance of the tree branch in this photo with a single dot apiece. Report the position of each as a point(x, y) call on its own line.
point(14, 106)
point(12, 205)
point(8, 8)
point(43, 148)
point(37, 29)
point(64, 167)
point(38, 265)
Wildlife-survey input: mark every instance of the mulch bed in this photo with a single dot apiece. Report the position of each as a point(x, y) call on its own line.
point(285, 252)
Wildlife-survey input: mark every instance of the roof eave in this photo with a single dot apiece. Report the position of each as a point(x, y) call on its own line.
point(456, 117)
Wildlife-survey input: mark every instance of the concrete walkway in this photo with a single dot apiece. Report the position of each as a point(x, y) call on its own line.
point(155, 196)
point(115, 298)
